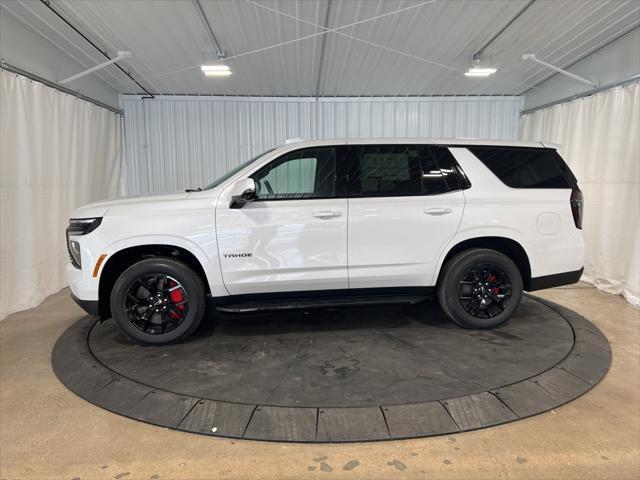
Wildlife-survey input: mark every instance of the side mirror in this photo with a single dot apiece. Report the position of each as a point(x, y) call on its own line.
point(243, 191)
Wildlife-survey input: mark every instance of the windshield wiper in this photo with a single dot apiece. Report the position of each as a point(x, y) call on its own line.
point(189, 190)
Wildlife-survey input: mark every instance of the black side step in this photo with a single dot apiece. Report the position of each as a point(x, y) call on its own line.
point(297, 303)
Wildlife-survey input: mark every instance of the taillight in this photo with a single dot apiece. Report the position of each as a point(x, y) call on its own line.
point(577, 207)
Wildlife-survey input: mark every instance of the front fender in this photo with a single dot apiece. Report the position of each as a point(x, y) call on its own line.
point(205, 252)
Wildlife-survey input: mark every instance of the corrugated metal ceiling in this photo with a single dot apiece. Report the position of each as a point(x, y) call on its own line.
point(283, 48)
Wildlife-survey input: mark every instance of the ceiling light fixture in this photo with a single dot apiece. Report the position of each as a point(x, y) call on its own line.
point(478, 70)
point(219, 70)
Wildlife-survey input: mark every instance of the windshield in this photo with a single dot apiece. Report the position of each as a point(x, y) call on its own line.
point(232, 172)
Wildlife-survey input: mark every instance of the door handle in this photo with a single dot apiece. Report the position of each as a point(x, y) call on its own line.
point(437, 211)
point(326, 214)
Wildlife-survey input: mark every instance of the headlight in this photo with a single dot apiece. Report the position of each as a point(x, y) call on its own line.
point(74, 253)
point(76, 228)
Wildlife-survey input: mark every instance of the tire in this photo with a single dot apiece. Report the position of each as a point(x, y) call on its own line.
point(480, 288)
point(178, 301)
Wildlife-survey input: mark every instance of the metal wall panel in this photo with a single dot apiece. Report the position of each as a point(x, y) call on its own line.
point(175, 142)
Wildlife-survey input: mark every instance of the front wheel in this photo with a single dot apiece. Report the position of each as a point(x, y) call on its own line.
point(480, 288)
point(158, 301)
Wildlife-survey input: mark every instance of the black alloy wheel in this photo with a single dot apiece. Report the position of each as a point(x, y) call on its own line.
point(156, 303)
point(484, 291)
point(158, 300)
point(479, 288)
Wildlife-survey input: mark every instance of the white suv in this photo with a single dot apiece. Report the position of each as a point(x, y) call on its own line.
point(337, 222)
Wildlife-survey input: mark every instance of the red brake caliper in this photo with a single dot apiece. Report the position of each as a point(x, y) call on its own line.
point(176, 296)
point(492, 279)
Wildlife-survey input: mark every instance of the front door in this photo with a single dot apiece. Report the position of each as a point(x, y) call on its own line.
point(293, 237)
point(405, 204)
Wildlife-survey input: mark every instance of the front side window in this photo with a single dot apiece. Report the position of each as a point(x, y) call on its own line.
point(307, 173)
point(402, 170)
point(235, 170)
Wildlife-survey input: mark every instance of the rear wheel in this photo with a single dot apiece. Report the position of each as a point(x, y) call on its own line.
point(158, 301)
point(480, 288)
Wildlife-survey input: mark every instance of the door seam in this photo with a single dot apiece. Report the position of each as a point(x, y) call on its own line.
point(348, 269)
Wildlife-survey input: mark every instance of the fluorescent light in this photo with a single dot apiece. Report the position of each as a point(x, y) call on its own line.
point(217, 74)
point(216, 70)
point(480, 71)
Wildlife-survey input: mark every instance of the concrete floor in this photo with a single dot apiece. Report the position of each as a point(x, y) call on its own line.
point(47, 432)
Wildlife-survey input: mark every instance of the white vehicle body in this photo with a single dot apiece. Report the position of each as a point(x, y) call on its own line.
point(311, 244)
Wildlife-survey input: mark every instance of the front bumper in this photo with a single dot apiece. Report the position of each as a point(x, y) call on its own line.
point(89, 306)
point(84, 289)
point(82, 285)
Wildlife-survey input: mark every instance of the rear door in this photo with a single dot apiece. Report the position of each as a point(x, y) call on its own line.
point(405, 205)
point(293, 237)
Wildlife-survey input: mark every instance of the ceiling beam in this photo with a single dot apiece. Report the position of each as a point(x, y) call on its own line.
point(532, 57)
point(322, 49)
point(207, 26)
point(478, 53)
point(582, 57)
point(121, 55)
point(47, 3)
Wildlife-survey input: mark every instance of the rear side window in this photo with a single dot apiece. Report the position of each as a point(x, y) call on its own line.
point(388, 171)
point(440, 172)
point(401, 170)
point(520, 167)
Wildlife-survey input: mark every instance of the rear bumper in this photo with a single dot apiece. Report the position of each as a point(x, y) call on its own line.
point(555, 280)
point(89, 306)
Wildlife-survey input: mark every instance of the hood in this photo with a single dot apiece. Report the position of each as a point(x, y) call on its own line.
point(99, 209)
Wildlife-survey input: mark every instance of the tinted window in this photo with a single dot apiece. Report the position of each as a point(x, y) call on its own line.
point(401, 170)
point(439, 172)
point(389, 171)
point(232, 172)
point(573, 181)
point(525, 167)
point(308, 173)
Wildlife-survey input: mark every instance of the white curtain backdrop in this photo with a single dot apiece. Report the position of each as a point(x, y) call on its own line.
point(600, 138)
point(174, 142)
point(57, 152)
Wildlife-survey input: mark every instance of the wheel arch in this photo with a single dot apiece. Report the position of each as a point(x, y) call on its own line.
point(507, 246)
point(119, 261)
